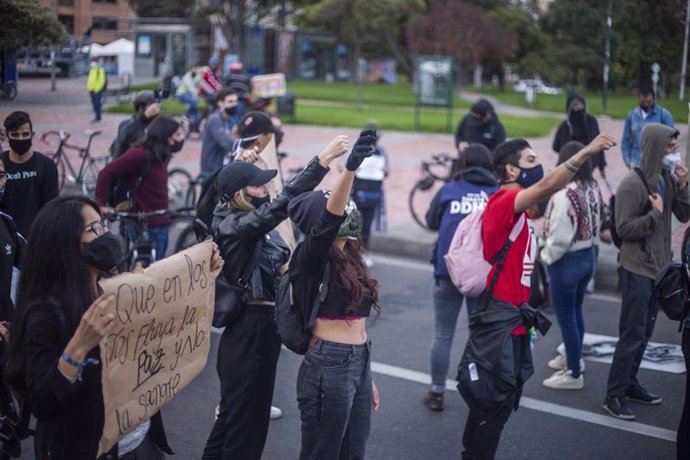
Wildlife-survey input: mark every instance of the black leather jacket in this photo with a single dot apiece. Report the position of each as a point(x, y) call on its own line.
point(238, 232)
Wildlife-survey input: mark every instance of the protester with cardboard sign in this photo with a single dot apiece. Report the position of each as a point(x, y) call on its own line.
point(54, 358)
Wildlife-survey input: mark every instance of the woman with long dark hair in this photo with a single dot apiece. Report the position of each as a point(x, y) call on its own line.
point(573, 222)
point(145, 167)
point(245, 222)
point(59, 321)
point(335, 390)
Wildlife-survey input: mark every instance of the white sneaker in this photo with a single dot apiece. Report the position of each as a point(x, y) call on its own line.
point(276, 413)
point(368, 261)
point(560, 362)
point(564, 380)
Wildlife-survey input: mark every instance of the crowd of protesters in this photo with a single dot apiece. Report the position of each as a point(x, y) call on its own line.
point(58, 321)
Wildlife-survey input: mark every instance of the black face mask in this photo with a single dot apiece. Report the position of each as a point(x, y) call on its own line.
point(176, 147)
point(230, 111)
point(258, 202)
point(20, 146)
point(103, 253)
point(646, 108)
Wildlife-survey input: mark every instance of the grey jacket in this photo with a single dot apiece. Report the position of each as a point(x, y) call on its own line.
point(646, 232)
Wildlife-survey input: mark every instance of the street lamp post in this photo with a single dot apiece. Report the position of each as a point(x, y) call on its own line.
point(607, 55)
point(684, 65)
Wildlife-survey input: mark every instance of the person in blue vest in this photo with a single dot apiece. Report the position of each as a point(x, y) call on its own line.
point(648, 112)
point(468, 192)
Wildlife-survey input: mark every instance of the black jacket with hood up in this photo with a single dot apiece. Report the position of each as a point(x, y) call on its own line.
point(578, 126)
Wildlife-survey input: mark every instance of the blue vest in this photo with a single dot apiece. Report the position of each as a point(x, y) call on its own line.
point(458, 200)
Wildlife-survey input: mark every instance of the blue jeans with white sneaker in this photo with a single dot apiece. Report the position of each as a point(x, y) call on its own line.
point(569, 276)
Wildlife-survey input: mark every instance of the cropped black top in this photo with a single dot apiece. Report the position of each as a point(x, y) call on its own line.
point(337, 299)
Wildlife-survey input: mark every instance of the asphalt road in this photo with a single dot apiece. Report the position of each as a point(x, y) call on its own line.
point(549, 425)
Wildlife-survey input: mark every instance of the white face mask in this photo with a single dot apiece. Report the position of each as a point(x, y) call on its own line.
point(670, 161)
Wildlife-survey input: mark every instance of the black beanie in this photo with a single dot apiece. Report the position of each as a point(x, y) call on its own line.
point(306, 209)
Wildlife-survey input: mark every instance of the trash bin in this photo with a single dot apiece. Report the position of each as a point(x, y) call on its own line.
point(286, 104)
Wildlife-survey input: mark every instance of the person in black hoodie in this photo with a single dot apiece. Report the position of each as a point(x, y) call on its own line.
point(246, 217)
point(468, 192)
point(481, 125)
point(579, 126)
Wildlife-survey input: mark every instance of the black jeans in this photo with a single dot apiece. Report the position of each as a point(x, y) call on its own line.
point(683, 439)
point(483, 428)
point(634, 331)
point(335, 401)
point(247, 359)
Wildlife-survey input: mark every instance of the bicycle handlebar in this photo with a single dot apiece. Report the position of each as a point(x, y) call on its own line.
point(63, 135)
point(141, 215)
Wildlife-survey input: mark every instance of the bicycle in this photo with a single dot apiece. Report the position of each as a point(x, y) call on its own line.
point(434, 174)
point(143, 249)
point(183, 189)
point(87, 173)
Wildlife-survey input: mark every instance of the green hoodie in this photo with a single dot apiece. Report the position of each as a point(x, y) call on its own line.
point(646, 232)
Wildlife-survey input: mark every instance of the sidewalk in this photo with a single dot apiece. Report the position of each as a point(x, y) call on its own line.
point(69, 109)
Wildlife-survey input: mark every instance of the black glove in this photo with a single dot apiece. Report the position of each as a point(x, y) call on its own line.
point(362, 149)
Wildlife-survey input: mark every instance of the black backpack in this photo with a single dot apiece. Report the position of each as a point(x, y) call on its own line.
point(293, 328)
point(121, 195)
point(617, 240)
point(671, 292)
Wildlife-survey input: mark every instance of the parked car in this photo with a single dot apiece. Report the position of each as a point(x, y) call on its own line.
point(542, 88)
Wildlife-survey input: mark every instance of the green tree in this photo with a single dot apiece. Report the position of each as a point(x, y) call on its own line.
point(28, 22)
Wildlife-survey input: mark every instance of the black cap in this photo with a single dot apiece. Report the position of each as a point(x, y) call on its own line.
point(253, 124)
point(480, 108)
point(144, 98)
point(239, 174)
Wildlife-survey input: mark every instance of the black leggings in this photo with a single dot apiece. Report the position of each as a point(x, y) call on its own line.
point(247, 359)
point(683, 439)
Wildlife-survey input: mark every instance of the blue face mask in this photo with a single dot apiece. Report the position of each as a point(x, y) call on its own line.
point(530, 176)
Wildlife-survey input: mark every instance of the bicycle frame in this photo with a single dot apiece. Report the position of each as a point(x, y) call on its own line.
point(84, 153)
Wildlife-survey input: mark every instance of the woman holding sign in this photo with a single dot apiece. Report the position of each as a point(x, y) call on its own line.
point(335, 390)
point(60, 320)
point(245, 222)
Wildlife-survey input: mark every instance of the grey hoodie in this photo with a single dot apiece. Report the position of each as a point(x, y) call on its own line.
point(646, 232)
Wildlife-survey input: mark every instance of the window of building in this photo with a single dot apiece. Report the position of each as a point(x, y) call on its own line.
point(68, 22)
point(104, 24)
point(104, 1)
point(66, 2)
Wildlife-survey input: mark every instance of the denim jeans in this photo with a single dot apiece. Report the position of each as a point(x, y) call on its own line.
point(96, 102)
point(191, 109)
point(335, 401)
point(447, 305)
point(569, 276)
point(158, 235)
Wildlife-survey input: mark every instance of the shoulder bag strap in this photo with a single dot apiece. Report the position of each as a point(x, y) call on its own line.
point(500, 258)
point(140, 178)
point(323, 291)
point(644, 180)
point(242, 281)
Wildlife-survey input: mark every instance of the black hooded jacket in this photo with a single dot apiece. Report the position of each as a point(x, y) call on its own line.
point(578, 126)
point(472, 130)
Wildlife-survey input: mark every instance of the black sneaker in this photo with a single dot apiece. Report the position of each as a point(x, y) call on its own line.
point(640, 395)
point(617, 407)
point(434, 401)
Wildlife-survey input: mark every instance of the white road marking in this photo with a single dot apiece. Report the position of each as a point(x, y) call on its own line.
point(538, 405)
point(403, 263)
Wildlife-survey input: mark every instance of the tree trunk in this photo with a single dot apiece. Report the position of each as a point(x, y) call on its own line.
point(478, 70)
point(400, 57)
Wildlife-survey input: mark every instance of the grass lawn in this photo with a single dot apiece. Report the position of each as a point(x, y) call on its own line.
point(618, 105)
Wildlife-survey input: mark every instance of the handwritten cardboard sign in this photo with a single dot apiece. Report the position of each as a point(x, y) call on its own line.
point(269, 85)
point(161, 339)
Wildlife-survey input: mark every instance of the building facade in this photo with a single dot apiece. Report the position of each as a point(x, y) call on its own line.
point(104, 20)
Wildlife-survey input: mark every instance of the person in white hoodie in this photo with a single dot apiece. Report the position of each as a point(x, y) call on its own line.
point(571, 233)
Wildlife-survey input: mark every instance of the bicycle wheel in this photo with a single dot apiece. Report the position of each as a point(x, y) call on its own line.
point(186, 238)
point(178, 184)
point(193, 193)
point(420, 198)
point(60, 164)
point(88, 180)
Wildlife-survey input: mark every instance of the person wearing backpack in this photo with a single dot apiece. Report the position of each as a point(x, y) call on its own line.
point(335, 390)
point(468, 192)
point(244, 222)
point(133, 130)
point(646, 199)
point(571, 234)
point(145, 167)
point(501, 327)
